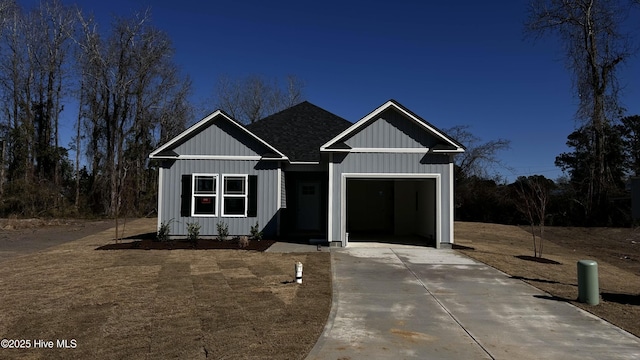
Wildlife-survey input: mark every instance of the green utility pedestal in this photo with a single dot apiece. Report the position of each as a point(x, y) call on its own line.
point(588, 290)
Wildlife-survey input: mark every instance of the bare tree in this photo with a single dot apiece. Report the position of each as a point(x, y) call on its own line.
point(595, 44)
point(35, 51)
point(131, 97)
point(14, 82)
point(251, 98)
point(480, 159)
point(49, 34)
point(532, 200)
point(7, 9)
point(130, 88)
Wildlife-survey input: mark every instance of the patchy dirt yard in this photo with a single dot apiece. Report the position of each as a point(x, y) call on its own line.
point(243, 304)
point(617, 252)
point(181, 304)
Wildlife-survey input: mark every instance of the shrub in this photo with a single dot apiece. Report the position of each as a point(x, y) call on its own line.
point(193, 232)
point(243, 242)
point(256, 234)
point(223, 230)
point(163, 231)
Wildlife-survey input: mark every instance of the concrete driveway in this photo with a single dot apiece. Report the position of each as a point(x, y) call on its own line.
point(421, 303)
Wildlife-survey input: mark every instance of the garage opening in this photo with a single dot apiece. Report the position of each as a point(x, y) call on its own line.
point(391, 210)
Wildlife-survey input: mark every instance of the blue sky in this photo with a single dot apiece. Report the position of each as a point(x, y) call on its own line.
point(453, 63)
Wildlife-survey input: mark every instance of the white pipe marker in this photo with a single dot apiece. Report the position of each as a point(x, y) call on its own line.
point(298, 269)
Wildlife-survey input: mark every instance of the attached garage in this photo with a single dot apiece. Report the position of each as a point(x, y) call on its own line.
point(391, 180)
point(401, 210)
point(391, 208)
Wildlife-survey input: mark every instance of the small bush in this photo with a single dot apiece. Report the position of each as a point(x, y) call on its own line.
point(243, 242)
point(163, 231)
point(256, 234)
point(223, 230)
point(193, 232)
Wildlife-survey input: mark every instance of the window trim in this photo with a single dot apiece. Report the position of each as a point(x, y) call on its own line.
point(245, 196)
point(216, 194)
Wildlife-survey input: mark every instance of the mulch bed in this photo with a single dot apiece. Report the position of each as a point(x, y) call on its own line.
point(183, 244)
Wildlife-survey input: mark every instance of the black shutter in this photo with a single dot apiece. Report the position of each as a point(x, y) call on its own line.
point(185, 205)
point(252, 207)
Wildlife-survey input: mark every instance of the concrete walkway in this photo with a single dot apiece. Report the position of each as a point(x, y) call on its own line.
point(419, 303)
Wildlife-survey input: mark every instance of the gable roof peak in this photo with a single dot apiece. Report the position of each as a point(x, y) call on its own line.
point(458, 147)
point(203, 124)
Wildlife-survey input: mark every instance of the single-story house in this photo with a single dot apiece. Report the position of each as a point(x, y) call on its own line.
point(306, 173)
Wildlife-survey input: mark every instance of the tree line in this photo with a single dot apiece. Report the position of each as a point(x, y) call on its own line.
point(129, 97)
point(488, 198)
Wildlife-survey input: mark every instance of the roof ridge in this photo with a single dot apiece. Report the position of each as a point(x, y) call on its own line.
point(294, 106)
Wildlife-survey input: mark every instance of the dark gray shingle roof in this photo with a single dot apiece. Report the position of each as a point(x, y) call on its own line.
point(300, 130)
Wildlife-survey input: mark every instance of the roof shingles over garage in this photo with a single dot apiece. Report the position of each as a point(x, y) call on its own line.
point(299, 131)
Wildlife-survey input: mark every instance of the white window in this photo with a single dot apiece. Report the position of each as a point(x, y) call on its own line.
point(205, 195)
point(234, 195)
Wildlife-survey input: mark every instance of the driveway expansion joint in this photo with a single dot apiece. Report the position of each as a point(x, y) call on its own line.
point(442, 305)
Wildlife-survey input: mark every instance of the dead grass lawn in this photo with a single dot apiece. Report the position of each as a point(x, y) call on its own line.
point(614, 250)
point(182, 304)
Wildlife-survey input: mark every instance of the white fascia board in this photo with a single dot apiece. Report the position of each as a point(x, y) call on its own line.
point(381, 150)
point(209, 157)
point(355, 126)
point(391, 150)
point(335, 150)
point(331, 202)
point(304, 162)
point(160, 190)
point(451, 202)
point(163, 157)
point(392, 175)
point(376, 112)
point(204, 121)
point(456, 151)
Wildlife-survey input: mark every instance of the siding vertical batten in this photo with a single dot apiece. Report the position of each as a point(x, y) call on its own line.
point(451, 200)
point(279, 199)
point(160, 187)
point(439, 211)
point(343, 208)
point(283, 189)
point(279, 189)
point(330, 202)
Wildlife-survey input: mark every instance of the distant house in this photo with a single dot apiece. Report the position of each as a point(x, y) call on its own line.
point(306, 173)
